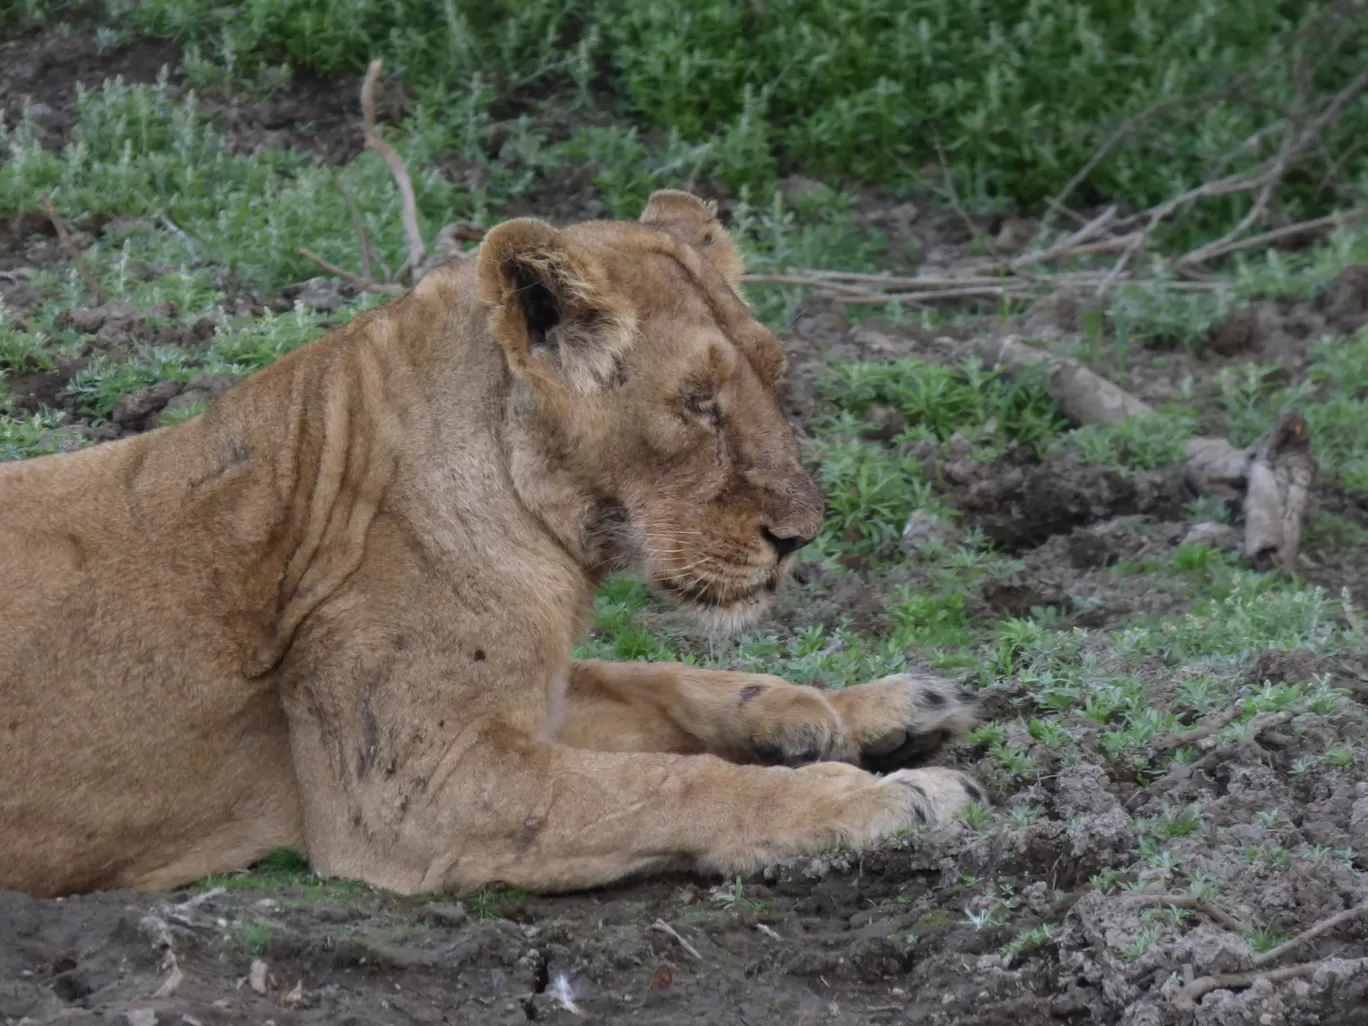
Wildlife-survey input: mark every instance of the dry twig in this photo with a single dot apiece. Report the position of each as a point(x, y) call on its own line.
point(358, 225)
point(1181, 771)
point(159, 934)
point(366, 285)
point(72, 250)
point(1290, 231)
point(952, 195)
point(1268, 181)
point(1238, 87)
point(1310, 934)
point(1185, 1000)
point(1213, 912)
point(660, 926)
point(1206, 728)
point(395, 163)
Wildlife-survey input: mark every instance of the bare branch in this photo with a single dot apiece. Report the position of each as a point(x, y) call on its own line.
point(395, 163)
point(70, 248)
point(660, 926)
point(1216, 723)
point(359, 225)
point(1293, 149)
point(1185, 1000)
point(1275, 473)
point(1290, 231)
point(1213, 912)
point(1310, 934)
point(361, 283)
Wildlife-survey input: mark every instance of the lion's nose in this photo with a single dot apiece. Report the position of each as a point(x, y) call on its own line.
point(784, 544)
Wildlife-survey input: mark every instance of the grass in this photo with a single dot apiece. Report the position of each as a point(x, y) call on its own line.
point(869, 90)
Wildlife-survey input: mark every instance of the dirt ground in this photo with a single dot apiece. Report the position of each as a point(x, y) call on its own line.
point(901, 935)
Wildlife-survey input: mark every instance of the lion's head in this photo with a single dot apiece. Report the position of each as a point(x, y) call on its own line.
point(644, 410)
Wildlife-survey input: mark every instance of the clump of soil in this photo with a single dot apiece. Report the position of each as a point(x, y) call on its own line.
point(1020, 507)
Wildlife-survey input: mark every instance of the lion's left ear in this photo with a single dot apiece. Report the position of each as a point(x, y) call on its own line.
point(550, 307)
point(694, 221)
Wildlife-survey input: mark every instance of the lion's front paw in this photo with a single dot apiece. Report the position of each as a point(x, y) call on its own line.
point(937, 794)
point(828, 804)
point(781, 725)
point(869, 808)
point(902, 720)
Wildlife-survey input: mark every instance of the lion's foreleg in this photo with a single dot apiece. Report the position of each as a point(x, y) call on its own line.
point(757, 718)
point(572, 818)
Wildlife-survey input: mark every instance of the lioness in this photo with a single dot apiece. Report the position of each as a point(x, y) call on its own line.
point(335, 612)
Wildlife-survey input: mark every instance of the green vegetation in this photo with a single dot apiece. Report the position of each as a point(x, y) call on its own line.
point(870, 90)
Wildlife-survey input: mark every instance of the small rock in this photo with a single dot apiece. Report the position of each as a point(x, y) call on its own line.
point(959, 447)
point(89, 319)
point(322, 294)
point(884, 422)
point(797, 188)
point(40, 112)
point(140, 1017)
point(1358, 823)
point(444, 914)
point(1014, 234)
point(1058, 314)
point(256, 976)
point(1346, 300)
point(134, 410)
point(1082, 789)
point(820, 320)
point(901, 214)
point(1212, 535)
point(1209, 949)
point(1244, 329)
point(924, 529)
point(203, 329)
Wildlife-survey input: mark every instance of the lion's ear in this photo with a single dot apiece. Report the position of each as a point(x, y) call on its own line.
point(694, 221)
point(551, 309)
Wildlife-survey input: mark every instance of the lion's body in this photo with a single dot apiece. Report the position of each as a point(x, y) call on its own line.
point(335, 612)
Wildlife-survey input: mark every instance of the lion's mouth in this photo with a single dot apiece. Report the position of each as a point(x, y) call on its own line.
point(713, 596)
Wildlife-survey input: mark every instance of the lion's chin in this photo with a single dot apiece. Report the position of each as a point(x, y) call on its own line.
point(720, 611)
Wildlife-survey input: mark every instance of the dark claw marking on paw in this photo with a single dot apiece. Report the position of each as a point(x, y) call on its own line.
point(920, 813)
point(916, 751)
point(965, 697)
point(750, 691)
point(933, 699)
point(768, 754)
point(799, 749)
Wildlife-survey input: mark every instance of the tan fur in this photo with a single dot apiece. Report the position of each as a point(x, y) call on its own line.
point(335, 611)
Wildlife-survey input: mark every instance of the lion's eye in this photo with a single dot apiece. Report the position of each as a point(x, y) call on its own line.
point(702, 404)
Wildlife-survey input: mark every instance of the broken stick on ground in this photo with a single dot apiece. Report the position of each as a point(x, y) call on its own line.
point(660, 926)
point(1271, 478)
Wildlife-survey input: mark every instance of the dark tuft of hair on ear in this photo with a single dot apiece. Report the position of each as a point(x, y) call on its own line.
point(551, 308)
point(541, 309)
